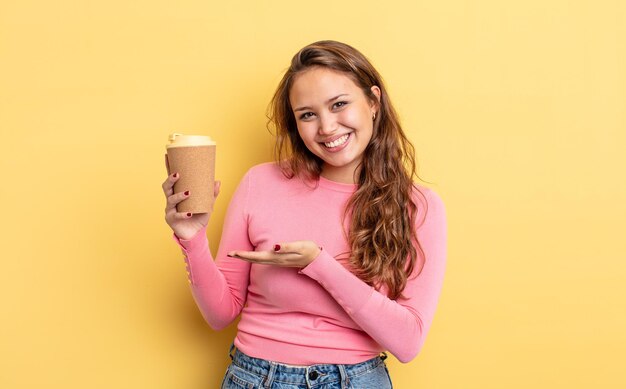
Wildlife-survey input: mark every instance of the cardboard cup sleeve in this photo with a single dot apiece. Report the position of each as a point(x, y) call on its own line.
point(196, 167)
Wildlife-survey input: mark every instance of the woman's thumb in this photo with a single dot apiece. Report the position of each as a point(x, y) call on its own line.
point(216, 188)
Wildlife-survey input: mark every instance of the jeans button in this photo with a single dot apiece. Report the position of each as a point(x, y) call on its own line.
point(313, 375)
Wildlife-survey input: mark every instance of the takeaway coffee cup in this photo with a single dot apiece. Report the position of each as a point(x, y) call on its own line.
point(193, 157)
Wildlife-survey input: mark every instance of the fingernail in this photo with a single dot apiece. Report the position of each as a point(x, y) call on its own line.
point(277, 247)
point(187, 193)
point(175, 175)
point(188, 214)
point(228, 255)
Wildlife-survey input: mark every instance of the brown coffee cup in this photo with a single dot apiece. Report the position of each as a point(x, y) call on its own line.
point(193, 157)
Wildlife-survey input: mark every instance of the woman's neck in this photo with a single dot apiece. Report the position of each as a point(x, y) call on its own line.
point(343, 174)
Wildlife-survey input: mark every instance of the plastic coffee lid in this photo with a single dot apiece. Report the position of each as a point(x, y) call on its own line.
point(181, 140)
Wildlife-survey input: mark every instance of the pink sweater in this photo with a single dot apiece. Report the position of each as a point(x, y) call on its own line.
point(321, 313)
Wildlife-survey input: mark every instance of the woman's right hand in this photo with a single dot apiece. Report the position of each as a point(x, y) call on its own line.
point(185, 225)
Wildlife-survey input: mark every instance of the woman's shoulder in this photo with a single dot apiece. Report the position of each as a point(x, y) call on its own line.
point(266, 172)
point(429, 202)
point(424, 193)
point(264, 167)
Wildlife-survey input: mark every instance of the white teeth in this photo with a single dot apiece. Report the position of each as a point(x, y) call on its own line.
point(337, 142)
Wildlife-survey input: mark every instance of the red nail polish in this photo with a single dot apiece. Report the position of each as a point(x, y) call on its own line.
point(188, 214)
point(187, 193)
point(277, 247)
point(175, 175)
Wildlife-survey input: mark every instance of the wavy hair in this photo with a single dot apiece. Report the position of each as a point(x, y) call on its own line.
point(381, 235)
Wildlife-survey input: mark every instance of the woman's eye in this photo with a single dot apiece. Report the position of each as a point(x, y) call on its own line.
point(339, 104)
point(306, 115)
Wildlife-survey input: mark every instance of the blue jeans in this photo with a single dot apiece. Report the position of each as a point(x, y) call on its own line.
point(246, 372)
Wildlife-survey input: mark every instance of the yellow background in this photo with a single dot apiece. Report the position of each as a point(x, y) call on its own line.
point(517, 111)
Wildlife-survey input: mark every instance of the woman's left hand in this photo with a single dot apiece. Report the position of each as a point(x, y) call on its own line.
point(290, 254)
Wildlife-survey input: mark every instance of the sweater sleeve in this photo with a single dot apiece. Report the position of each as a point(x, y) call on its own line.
point(219, 287)
point(400, 325)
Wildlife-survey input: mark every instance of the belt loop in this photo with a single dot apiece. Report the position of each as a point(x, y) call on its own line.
point(230, 352)
point(270, 375)
point(345, 380)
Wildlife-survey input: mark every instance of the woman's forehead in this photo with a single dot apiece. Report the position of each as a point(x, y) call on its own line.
point(320, 84)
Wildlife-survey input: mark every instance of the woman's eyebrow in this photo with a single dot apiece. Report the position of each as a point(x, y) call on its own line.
point(328, 101)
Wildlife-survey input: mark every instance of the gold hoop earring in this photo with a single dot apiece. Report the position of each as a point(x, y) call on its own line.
point(374, 116)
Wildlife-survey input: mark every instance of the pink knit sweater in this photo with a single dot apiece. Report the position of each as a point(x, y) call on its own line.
point(321, 313)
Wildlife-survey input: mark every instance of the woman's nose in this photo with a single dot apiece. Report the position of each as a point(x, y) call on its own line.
point(327, 124)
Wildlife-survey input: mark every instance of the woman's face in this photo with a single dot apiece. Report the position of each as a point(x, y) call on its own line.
point(334, 119)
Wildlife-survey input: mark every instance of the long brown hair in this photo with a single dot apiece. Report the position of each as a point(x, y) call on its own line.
point(381, 235)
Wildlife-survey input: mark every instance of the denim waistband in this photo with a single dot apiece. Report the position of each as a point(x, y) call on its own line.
point(313, 375)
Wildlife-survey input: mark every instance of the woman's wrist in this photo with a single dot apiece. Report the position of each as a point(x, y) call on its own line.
point(189, 235)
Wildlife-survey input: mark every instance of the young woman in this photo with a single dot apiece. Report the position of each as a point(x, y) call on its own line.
point(331, 254)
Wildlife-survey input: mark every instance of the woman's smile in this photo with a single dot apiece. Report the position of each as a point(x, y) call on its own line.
point(338, 144)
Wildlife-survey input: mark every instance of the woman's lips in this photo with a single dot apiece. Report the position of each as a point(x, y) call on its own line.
point(341, 146)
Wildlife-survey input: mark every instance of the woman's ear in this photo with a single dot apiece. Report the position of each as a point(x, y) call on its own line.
point(376, 91)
